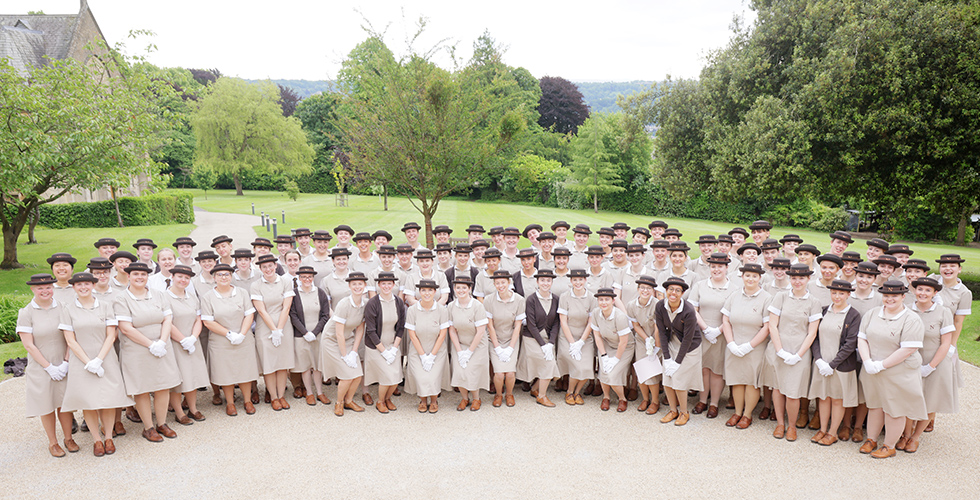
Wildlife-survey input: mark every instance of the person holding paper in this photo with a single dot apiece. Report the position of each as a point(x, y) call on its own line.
point(679, 332)
point(614, 343)
point(745, 324)
point(641, 314)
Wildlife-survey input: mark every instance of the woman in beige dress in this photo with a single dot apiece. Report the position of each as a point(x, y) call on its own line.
point(575, 348)
point(338, 345)
point(272, 295)
point(309, 314)
point(537, 356)
point(614, 343)
point(185, 330)
point(95, 381)
point(680, 335)
point(505, 310)
point(468, 334)
point(889, 343)
point(708, 297)
point(335, 282)
point(384, 332)
point(427, 325)
point(641, 312)
point(227, 313)
point(145, 351)
point(834, 379)
point(745, 323)
point(47, 366)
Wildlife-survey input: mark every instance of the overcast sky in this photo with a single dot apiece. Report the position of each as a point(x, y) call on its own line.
point(611, 40)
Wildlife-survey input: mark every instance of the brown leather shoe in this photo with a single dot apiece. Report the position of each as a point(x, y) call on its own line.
point(589, 387)
point(323, 399)
point(818, 436)
point(434, 407)
point(653, 409)
point(311, 400)
point(185, 420)
point(381, 407)
point(858, 435)
point(118, 429)
point(682, 419)
point(98, 449)
point(570, 399)
point(912, 446)
point(268, 397)
point(764, 413)
point(297, 392)
point(868, 446)
point(730, 405)
point(476, 405)
point(71, 446)
point(166, 431)
point(197, 416)
point(132, 415)
point(791, 433)
point(391, 406)
point(597, 390)
point(368, 400)
point(883, 452)
point(931, 426)
point(150, 434)
point(712, 412)
point(249, 408)
point(604, 406)
point(699, 408)
point(216, 400)
point(397, 392)
point(338, 409)
point(744, 423)
point(643, 405)
point(803, 418)
point(669, 417)
point(544, 401)
point(815, 421)
point(255, 398)
point(509, 400)
point(498, 400)
point(779, 432)
point(844, 433)
point(463, 404)
point(353, 406)
point(632, 394)
point(733, 421)
point(56, 451)
point(283, 403)
point(230, 410)
point(622, 406)
point(827, 440)
point(423, 407)
point(109, 447)
point(534, 393)
point(579, 400)
point(276, 405)
point(900, 445)
point(525, 386)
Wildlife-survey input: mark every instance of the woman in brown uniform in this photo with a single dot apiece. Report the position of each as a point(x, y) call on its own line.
point(537, 357)
point(680, 335)
point(889, 343)
point(834, 381)
point(427, 324)
point(468, 334)
point(384, 331)
point(37, 324)
point(505, 310)
point(745, 323)
point(338, 347)
point(611, 329)
point(309, 314)
point(575, 348)
point(145, 352)
point(227, 313)
point(185, 329)
point(272, 295)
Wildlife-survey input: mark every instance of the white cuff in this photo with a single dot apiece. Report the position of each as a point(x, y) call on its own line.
point(409, 326)
point(250, 310)
point(914, 344)
point(624, 331)
point(62, 326)
point(111, 322)
point(765, 319)
point(27, 329)
point(198, 312)
point(482, 322)
point(444, 290)
point(963, 312)
point(289, 294)
point(695, 304)
point(257, 297)
point(726, 312)
point(205, 317)
point(775, 311)
point(562, 311)
point(168, 312)
point(947, 329)
point(478, 294)
point(124, 318)
point(446, 325)
point(617, 286)
point(521, 317)
point(815, 317)
point(339, 319)
point(489, 315)
point(861, 335)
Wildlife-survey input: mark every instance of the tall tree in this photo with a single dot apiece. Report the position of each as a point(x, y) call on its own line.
point(593, 171)
point(240, 126)
point(562, 107)
point(288, 98)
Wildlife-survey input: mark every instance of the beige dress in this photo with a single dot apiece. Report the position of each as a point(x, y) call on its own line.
point(322, 267)
point(466, 320)
point(350, 316)
point(941, 387)
point(504, 314)
point(840, 385)
point(306, 355)
point(613, 329)
point(142, 371)
point(688, 377)
point(273, 295)
point(747, 314)
point(709, 300)
point(795, 315)
point(336, 287)
point(896, 390)
point(85, 390)
point(63, 296)
point(530, 362)
point(643, 316)
point(376, 369)
point(438, 276)
point(44, 395)
point(193, 368)
point(230, 364)
point(576, 310)
point(426, 323)
point(561, 284)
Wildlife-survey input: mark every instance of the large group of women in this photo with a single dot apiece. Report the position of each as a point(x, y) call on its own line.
point(870, 338)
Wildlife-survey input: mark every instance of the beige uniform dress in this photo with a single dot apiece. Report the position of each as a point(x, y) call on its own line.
point(576, 310)
point(957, 298)
point(709, 300)
point(504, 314)
point(230, 364)
point(351, 316)
point(613, 329)
point(322, 267)
point(192, 367)
point(531, 363)
point(896, 390)
point(840, 385)
point(245, 283)
point(86, 390)
point(561, 284)
point(688, 276)
point(604, 279)
point(143, 372)
point(336, 287)
point(795, 315)
point(202, 287)
point(376, 369)
point(643, 316)
point(438, 276)
point(627, 279)
point(941, 387)
point(365, 266)
point(372, 284)
point(747, 314)
point(866, 304)
point(466, 320)
point(63, 296)
point(688, 376)
point(529, 283)
point(306, 355)
point(44, 395)
point(426, 323)
point(272, 358)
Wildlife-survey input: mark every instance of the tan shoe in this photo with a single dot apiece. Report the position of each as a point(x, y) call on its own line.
point(391, 406)
point(579, 400)
point(434, 407)
point(323, 399)
point(827, 440)
point(791, 433)
point(682, 419)
point(475, 405)
point(570, 399)
point(423, 407)
point(463, 404)
point(652, 409)
point(353, 406)
point(311, 400)
point(109, 447)
point(71, 446)
point(779, 432)
point(858, 435)
point(544, 401)
point(818, 436)
point(338, 409)
point(165, 431)
point(230, 410)
point(803, 418)
point(883, 452)
point(498, 400)
point(98, 449)
point(283, 403)
point(868, 446)
point(669, 417)
point(844, 433)
point(509, 400)
point(56, 451)
point(382, 408)
point(912, 446)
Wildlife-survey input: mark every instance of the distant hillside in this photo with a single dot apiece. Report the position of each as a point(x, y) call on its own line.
point(304, 88)
point(601, 96)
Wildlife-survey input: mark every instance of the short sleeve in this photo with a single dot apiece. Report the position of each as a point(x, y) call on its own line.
point(521, 311)
point(695, 297)
point(410, 318)
point(947, 325)
point(64, 320)
point(776, 306)
point(443, 316)
point(726, 309)
point(964, 308)
point(207, 310)
point(247, 306)
point(865, 321)
point(912, 332)
point(622, 324)
point(481, 316)
point(816, 312)
point(25, 323)
point(343, 309)
point(121, 309)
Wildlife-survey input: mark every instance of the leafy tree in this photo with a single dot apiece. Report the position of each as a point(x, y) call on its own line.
point(240, 126)
point(205, 76)
point(562, 106)
point(288, 98)
point(204, 177)
point(292, 190)
point(70, 126)
point(593, 172)
point(532, 178)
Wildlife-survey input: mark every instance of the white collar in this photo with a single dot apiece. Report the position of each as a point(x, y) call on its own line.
point(793, 296)
point(79, 304)
point(551, 296)
point(830, 309)
point(931, 308)
point(369, 259)
point(54, 303)
point(679, 308)
point(382, 299)
point(754, 294)
point(881, 313)
point(234, 290)
point(278, 279)
point(723, 287)
point(117, 283)
point(512, 297)
point(147, 297)
point(418, 305)
point(456, 301)
point(653, 301)
point(612, 315)
point(175, 296)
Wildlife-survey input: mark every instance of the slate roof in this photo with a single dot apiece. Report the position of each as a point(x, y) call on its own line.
point(25, 39)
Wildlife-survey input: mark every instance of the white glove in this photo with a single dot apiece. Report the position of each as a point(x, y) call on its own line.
point(63, 368)
point(656, 350)
point(390, 354)
point(745, 348)
point(926, 370)
point(575, 348)
point(650, 345)
point(500, 352)
point(783, 353)
point(824, 368)
point(549, 351)
point(873, 367)
point(309, 337)
point(793, 359)
point(235, 338)
point(671, 367)
point(158, 348)
point(711, 334)
point(188, 344)
point(734, 349)
point(610, 364)
point(94, 366)
point(508, 352)
point(952, 352)
point(54, 372)
point(350, 359)
point(276, 337)
point(428, 361)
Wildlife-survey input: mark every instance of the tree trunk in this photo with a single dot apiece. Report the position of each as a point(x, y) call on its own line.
point(385, 187)
point(238, 185)
point(427, 215)
point(115, 200)
point(595, 202)
point(961, 227)
point(11, 232)
point(35, 217)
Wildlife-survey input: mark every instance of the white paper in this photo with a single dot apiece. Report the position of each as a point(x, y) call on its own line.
point(647, 368)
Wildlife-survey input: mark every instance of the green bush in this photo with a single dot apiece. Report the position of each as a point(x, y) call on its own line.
point(9, 305)
point(154, 209)
point(803, 212)
point(919, 224)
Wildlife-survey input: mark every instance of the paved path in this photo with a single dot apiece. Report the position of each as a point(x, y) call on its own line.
point(211, 224)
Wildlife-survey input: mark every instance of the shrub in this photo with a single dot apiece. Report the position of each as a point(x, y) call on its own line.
point(803, 212)
point(292, 190)
point(9, 305)
point(153, 209)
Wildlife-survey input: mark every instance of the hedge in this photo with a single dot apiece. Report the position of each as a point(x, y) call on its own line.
point(9, 305)
point(154, 209)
